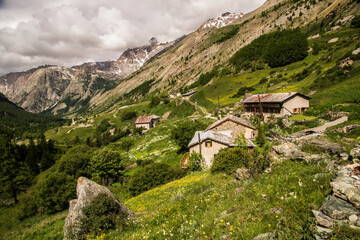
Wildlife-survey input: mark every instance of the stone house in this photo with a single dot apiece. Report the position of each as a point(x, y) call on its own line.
point(277, 104)
point(219, 135)
point(147, 122)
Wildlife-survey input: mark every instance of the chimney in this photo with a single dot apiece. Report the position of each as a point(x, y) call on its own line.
point(219, 115)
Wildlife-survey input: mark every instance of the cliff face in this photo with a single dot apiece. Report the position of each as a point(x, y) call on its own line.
point(54, 87)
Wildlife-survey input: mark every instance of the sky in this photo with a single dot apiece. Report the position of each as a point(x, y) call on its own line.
point(71, 32)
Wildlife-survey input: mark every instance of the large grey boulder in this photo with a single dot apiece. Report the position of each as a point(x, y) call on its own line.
point(337, 208)
point(289, 150)
point(86, 191)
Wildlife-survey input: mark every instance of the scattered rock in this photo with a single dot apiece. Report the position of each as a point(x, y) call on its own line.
point(356, 51)
point(312, 158)
point(287, 123)
point(242, 173)
point(323, 220)
point(333, 40)
point(265, 236)
point(355, 153)
point(86, 191)
point(322, 229)
point(344, 156)
point(353, 218)
point(289, 150)
point(276, 210)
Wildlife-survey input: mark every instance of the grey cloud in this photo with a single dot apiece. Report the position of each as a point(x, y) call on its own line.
point(67, 32)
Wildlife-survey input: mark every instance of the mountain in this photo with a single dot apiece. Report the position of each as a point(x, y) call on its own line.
point(171, 67)
point(61, 90)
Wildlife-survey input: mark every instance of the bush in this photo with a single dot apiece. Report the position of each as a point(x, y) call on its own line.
point(355, 22)
point(128, 115)
point(196, 162)
point(149, 177)
point(53, 191)
point(230, 159)
point(101, 215)
point(242, 91)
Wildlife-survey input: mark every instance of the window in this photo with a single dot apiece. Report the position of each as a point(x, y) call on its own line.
point(208, 144)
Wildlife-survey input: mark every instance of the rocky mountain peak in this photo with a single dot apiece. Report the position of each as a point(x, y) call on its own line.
point(222, 21)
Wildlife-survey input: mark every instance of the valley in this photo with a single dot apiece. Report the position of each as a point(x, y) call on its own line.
point(80, 122)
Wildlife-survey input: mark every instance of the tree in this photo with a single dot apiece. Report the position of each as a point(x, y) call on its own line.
point(75, 162)
point(149, 177)
point(53, 191)
point(15, 176)
point(355, 22)
point(260, 138)
point(103, 126)
point(155, 100)
point(184, 132)
point(106, 164)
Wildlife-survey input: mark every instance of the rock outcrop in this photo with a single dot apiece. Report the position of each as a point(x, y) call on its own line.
point(86, 191)
point(343, 206)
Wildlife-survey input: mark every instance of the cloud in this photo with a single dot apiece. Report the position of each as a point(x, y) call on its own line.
point(67, 32)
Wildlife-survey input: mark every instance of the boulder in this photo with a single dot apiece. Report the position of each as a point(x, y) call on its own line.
point(329, 147)
point(289, 150)
point(86, 191)
point(344, 189)
point(337, 208)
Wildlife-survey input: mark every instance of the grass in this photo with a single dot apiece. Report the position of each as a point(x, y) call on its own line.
point(36, 228)
point(205, 206)
point(301, 117)
point(224, 87)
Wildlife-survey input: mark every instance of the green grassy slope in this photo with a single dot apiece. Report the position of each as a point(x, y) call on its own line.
point(299, 76)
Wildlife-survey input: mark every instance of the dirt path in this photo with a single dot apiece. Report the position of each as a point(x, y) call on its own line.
point(202, 109)
point(329, 124)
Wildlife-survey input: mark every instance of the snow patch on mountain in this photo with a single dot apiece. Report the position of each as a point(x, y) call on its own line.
point(222, 21)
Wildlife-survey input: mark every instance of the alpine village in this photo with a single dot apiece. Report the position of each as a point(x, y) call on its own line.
point(246, 128)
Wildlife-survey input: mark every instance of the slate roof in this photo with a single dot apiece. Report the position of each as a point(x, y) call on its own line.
point(272, 97)
point(232, 118)
point(145, 119)
point(224, 137)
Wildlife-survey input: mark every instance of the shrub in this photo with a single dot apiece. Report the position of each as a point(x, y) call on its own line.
point(127, 115)
point(230, 159)
point(53, 191)
point(242, 91)
point(101, 215)
point(196, 162)
point(355, 22)
point(149, 177)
